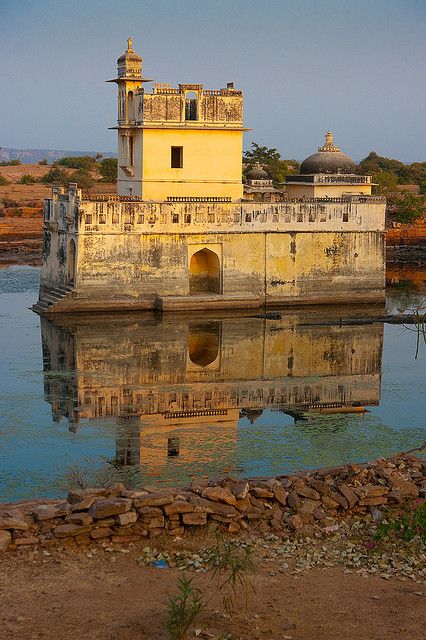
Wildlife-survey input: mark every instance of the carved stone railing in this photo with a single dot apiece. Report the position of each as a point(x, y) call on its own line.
point(324, 178)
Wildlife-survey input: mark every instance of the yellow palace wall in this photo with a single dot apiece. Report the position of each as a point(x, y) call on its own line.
point(211, 164)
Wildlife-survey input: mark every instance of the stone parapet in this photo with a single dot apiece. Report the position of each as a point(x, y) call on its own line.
point(286, 504)
point(115, 214)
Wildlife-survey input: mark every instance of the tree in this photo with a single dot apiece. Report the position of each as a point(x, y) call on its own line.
point(387, 183)
point(83, 179)
point(261, 154)
point(27, 179)
point(87, 163)
point(409, 207)
point(270, 158)
point(56, 174)
point(108, 169)
point(414, 173)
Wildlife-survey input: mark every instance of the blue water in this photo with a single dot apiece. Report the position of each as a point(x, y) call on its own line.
point(42, 457)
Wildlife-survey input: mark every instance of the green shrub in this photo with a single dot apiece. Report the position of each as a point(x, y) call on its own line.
point(10, 163)
point(16, 213)
point(27, 179)
point(43, 162)
point(408, 526)
point(409, 207)
point(56, 174)
point(3, 181)
point(83, 179)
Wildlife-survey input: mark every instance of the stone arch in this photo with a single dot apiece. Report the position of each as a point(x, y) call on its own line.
point(204, 272)
point(204, 343)
point(72, 262)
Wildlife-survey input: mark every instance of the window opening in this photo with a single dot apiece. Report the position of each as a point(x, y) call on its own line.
point(191, 106)
point(173, 447)
point(177, 157)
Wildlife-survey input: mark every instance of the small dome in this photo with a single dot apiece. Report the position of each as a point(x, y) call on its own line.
point(257, 173)
point(328, 159)
point(129, 54)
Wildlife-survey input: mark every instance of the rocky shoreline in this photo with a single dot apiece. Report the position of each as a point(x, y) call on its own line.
point(305, 502)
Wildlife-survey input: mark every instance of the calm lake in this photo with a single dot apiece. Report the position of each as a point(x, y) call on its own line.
point(150, 399)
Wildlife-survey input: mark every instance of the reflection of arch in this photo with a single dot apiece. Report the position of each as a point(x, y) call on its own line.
point(204, 342)
point(130, 106)
point(191, 106)
point(71, 262)
point(204, 272)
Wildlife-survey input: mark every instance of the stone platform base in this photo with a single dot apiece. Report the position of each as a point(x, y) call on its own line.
point(54, 301)
point(205, 301)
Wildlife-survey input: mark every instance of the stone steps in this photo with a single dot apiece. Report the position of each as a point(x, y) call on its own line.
point(52, 298)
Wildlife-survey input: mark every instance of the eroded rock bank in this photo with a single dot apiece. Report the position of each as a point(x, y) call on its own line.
point(286, 504)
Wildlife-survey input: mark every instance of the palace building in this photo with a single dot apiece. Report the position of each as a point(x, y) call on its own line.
point(184, 232)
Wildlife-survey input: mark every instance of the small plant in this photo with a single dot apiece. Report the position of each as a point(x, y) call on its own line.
point(407, 526)
point(43, 162)
point(231, 561)
point(27, 179)
point(16, 213)
point(183, 608)
point(3, 181)
point(10, 163)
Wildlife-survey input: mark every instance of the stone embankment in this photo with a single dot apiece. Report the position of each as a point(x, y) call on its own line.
point(406, 244)
point(286, 504)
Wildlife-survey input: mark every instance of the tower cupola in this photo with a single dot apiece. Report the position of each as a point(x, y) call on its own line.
point(129, 65)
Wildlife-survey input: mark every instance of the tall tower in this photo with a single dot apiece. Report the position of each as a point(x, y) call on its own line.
point(177, 142)
point(129, 81)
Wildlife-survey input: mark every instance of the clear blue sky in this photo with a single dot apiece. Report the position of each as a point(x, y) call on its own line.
point(354, 66)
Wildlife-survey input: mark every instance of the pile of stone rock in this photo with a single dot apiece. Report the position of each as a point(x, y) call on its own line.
point(286, 503)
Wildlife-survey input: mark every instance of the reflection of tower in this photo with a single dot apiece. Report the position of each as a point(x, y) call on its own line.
point(192, 439)
point(128, 441)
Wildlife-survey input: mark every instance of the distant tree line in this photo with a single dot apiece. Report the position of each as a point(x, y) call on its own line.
point(389, 176)
point(83, 168)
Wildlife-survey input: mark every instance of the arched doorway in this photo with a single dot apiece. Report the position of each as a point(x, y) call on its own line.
point(71, 263)
point(204, 272)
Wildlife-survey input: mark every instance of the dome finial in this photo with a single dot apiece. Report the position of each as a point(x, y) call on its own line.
point(329, 144)
point(130, 45)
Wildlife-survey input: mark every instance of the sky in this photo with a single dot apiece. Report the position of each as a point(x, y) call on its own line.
point(356, 67)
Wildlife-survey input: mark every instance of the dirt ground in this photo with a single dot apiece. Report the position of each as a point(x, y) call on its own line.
point(62, 594)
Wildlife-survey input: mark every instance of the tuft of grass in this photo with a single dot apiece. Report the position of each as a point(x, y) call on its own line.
point(231, 562)
point(407, 526)
point(183, 608)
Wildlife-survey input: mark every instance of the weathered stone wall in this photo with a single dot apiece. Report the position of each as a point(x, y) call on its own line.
point(135, 253)
point(213, 106)
point(284, 504)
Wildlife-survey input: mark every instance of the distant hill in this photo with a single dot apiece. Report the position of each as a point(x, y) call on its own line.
point(32, 156)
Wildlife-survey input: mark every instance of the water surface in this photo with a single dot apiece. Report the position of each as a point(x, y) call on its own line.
point(156, 399)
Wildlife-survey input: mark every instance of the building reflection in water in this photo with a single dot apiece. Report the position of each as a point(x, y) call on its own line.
point(175, 387)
